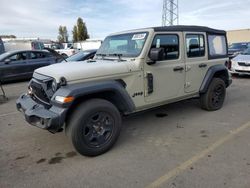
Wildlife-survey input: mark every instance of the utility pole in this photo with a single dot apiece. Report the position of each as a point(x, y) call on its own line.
point(170, 13)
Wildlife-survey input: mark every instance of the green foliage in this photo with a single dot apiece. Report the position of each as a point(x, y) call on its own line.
point(80, 32)
point(63, 34)
point(74, 33)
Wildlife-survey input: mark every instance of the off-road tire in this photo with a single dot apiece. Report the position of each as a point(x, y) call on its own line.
point(85, 136)
point(214, 98)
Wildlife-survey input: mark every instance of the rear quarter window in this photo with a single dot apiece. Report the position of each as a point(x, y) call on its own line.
point(217, 46)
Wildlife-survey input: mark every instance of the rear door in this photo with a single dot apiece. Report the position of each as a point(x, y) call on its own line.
point(196, 60)
point(37, 60)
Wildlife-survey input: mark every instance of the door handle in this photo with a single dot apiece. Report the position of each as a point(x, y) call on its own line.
point(179, 68)
point(203, 65)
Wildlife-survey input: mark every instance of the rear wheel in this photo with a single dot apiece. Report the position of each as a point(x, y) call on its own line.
point(94, 127)
point(214, 98)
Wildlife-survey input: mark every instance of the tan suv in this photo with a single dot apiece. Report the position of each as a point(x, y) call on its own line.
point(132, 71)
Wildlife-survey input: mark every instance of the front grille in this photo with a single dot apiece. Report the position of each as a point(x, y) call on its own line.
point(243, 64)
point(38, 91)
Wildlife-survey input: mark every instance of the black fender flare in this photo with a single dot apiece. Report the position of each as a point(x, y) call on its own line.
point(80, 90)
point(211, 73)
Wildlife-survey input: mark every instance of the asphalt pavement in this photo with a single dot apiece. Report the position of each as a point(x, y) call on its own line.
point(178, 145)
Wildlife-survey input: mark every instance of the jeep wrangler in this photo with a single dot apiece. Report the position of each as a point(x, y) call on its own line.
point(132, 71)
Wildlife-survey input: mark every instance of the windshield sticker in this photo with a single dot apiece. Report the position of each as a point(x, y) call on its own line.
point(140, 36)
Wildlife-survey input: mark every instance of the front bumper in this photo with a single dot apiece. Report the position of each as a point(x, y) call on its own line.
point(51, 119)
point(239, 71)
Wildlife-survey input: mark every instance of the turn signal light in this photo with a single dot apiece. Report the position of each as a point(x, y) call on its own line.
point(64, 99)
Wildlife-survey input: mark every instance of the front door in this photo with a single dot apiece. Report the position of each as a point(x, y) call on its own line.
point(14, 66)
point(165, 79)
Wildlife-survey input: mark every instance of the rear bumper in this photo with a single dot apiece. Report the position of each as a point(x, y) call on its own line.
point(38, 115)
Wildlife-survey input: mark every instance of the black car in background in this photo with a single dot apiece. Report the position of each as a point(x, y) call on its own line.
point(236, 48)
point(82, 55)
point(18, 65)
point(2, 49)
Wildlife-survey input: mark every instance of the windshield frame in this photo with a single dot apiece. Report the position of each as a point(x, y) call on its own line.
point(125, 55)
point(4, 55)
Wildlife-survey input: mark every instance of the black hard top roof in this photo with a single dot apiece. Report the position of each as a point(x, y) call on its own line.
point(189, 28)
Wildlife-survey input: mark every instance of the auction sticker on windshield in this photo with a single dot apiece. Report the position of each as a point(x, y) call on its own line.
point(139, 36)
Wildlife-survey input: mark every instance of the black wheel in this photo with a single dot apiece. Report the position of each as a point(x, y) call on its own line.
point(214, 98)
point(94, 127)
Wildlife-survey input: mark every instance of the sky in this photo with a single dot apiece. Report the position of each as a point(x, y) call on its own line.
point(41, 18)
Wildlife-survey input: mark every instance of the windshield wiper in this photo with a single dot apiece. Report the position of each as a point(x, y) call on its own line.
point(102, 55)
point(109, 55)
point(117, 55)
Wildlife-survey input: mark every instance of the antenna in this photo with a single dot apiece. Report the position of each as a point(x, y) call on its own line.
point(170, 13)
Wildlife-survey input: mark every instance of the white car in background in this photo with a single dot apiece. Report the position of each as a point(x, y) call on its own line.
point(241, 63)
point(67, 52)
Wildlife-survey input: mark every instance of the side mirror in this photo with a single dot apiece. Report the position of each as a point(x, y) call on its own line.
point(7, 61)
point(156, 54)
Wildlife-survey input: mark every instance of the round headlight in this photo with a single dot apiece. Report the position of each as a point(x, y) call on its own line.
point(54, 86)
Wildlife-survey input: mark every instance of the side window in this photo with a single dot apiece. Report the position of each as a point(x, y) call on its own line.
point(170, 44)
point(18, 57)
point(40, 55)
point(33, 55)
point(217, 45)
point(195, 45)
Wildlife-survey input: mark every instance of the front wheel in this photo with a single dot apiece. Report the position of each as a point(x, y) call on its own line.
point(94, 127)
point(214, 98)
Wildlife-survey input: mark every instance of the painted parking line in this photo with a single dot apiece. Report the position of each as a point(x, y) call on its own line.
point(8, 114)
point(182, 167)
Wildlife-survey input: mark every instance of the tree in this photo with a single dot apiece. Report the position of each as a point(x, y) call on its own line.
point(66, 36)
point(82, 32)
point(63, 34)
point(8, 36)
point(74, 33)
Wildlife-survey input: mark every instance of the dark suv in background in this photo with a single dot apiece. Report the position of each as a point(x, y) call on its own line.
point(236, 48)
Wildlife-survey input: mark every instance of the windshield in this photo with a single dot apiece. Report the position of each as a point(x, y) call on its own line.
point(78, 56)
point(4, 55)
point(238, 46)
point(126, 45)
point(246, 52)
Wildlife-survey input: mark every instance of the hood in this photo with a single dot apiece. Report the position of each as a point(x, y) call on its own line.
point(84, 70)
point(242, 58)
point(232, 50)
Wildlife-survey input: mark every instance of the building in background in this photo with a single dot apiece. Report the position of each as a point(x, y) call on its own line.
point(235, 36)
